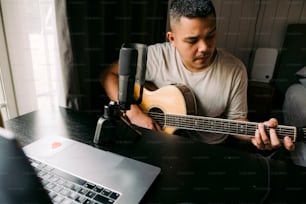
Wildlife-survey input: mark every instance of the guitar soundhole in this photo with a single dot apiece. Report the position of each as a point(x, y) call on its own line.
point(158, 115)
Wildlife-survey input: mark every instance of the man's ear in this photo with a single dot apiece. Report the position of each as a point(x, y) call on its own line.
point(170, 37)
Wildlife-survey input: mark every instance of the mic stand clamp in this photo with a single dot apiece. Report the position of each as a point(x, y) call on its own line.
point(107, 123)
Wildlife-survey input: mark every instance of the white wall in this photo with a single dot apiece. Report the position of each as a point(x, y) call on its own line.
point(237, 19)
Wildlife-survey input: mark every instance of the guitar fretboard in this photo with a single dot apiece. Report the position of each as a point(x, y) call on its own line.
point(218, 125)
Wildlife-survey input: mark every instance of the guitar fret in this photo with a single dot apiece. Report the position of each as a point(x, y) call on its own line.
point(282, 132)
point(251, 129)
point(241, 129)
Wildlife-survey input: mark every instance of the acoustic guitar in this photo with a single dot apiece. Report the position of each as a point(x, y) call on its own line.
point(173, 107)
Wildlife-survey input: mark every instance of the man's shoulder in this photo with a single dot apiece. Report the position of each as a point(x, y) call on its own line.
point(165, 46)
point(225, 56)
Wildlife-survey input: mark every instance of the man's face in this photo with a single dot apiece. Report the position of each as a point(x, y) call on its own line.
point(195, 40)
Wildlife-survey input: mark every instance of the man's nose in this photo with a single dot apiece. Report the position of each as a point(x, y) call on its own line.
point(203, 47)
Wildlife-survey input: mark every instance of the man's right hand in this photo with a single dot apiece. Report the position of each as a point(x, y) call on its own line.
point(109, 80)
point(141, 119)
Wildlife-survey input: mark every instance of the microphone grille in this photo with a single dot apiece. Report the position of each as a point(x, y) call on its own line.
point(128, 61)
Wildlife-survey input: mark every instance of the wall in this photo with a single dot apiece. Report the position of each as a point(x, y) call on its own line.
point(244, 25)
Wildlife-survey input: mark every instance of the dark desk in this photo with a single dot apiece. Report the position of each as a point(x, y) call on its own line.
point(192, 172)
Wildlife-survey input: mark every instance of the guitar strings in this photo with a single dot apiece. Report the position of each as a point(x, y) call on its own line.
point(202, 124)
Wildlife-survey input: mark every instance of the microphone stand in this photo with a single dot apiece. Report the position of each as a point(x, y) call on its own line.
point(107, 123)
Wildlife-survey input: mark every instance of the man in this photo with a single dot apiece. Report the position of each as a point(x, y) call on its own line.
point(217, 78)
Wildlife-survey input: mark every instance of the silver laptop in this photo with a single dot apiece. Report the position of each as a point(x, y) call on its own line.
point(73, 171)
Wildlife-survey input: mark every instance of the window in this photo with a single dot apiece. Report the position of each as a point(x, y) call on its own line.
point(3, 100)
point(29, 29)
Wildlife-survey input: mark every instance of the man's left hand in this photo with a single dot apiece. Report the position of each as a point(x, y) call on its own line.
point(264, 141)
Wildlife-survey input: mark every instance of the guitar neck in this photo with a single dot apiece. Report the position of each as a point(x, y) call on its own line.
point(222, 126)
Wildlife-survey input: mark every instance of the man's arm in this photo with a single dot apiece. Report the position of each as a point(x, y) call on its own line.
point(109, 81)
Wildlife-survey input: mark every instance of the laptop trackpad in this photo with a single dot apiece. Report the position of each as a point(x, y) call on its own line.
point(85, 161)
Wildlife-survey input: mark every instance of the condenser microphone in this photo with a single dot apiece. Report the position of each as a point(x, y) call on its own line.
point(127, 72)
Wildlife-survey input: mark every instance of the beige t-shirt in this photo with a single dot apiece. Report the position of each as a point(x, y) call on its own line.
point(220, 90)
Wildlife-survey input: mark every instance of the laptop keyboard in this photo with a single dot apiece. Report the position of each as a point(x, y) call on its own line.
point(65, 188)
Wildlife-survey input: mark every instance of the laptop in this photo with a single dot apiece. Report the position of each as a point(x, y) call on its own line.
point(62, 170)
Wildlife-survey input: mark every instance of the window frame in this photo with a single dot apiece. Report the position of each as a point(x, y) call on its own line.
point(8, 90)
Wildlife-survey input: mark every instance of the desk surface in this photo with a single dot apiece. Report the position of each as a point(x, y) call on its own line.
point(192, 172)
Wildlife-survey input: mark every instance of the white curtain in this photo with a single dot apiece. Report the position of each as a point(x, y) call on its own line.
point(39, 51)
point(65, 54)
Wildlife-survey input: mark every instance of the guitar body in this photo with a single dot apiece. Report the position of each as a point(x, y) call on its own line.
point(172, 99)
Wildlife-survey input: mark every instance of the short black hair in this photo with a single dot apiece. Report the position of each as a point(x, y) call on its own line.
point(190, 9)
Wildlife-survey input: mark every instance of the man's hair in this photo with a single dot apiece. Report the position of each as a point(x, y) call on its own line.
point(190, 9)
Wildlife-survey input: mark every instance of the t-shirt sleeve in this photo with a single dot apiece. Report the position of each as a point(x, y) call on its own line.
point(153, 56)
point(238, 98)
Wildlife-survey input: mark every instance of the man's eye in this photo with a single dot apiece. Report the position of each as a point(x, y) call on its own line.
point(191, 41)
